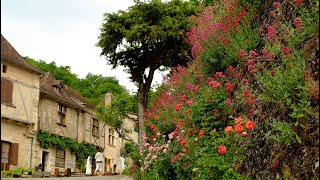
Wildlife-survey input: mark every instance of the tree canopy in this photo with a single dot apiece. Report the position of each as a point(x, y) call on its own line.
point(146, 37)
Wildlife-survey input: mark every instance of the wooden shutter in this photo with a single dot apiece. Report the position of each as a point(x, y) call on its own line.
point(6, 91)
point(3, 90)
point(14, 153)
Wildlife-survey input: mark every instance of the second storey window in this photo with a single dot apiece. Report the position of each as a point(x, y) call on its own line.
point(6, 91)
point(60, 158)
point(95, 127)
point(61, 119)
point(111, 137)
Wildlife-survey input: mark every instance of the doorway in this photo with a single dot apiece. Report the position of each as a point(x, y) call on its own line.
point(5, 154)
point(45, 161)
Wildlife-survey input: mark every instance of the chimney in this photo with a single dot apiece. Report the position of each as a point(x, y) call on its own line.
point(108, 98)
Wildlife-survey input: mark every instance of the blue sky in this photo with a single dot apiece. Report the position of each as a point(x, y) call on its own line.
point(64, 31)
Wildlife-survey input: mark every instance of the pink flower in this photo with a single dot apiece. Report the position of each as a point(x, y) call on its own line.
point(231, 69)
point(158, 134)
point(243, 54)
point(154, 157)
point(222, 149)
point(187, 111)
point(229, 87)
point(218, 74)
point(190, 102)
point(272, 13)
point(201, 133)
point(172, 160)
point(196, 88)
point(253, 53)
point(228, 101)
point(228, 128)
point(244, 134)
point(286, 32)
point(276, 4)
point(216, 85)
point(245, 82)
point(170, 136)
point(238, 75)
point(298, 22)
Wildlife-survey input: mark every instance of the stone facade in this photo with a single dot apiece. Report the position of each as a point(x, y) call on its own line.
point(41, 103)
point(19, 108)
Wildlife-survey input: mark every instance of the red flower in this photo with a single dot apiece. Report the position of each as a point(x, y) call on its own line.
point(298, 2)
point(238, 120)
point(286, 50)
point(250, 125)
point(239, 128)
point(228, 128)
point(172, 160)
point(183, 97)
point(272, 72)
point(196, 88)
point(222, 149)
point(306, 74)
point(183, 142)
point(229, 87)
point(201, 133)
point(178, 107)
point(238, 75)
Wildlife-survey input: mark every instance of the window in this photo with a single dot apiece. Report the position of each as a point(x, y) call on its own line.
point(60, 158)
point(6, 91)
point(111, 137)
point(3, 68)
point(61, 115)
point(95, 127)
point(57, 89)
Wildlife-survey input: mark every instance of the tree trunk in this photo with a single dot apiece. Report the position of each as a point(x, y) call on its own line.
point(141, 108)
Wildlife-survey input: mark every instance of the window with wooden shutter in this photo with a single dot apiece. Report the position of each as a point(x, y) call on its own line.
point(95, 127)
point(60, 158)
point(5, 154)
point(111, 137)
point(6, 91)
point(61, 115)
point(14, 154)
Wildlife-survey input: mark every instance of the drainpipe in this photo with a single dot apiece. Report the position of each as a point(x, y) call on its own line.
point(31, 152)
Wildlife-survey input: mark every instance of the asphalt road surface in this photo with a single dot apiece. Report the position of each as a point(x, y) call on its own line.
point(118, 177)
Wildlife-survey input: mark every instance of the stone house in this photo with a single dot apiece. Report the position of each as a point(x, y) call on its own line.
point(33, 101)
point(19, 108)
point(64, 112)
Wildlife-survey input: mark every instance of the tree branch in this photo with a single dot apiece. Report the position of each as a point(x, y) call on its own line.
point(125, 136)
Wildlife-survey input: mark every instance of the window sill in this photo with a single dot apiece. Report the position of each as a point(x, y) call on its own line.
point(94, 135)
point(8, 104)
point(62, 124)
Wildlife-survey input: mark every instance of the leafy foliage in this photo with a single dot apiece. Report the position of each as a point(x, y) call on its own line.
point(81, 150)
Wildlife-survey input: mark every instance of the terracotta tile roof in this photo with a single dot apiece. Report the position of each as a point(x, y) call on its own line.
point(66, 96)
point(10, 55)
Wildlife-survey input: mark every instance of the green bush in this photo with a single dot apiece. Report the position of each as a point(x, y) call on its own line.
point(126, 172)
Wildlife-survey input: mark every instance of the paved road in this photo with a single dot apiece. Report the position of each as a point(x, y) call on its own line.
point(118, 177)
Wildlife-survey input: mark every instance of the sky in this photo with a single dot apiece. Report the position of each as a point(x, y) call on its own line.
point(63, 31)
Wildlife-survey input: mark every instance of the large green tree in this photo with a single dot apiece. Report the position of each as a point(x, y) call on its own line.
point(147, 36)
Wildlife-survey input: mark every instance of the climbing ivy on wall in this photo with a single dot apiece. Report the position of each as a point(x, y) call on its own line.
point(81, 150)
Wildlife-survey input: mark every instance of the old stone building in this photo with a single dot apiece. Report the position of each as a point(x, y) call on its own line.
point(19, 108)
point(33, 102)
point(65, 113)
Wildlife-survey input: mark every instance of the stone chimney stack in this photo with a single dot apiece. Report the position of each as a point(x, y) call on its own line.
point(108, 98)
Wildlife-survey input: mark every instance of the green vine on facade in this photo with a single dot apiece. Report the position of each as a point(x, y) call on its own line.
point(81, 150)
